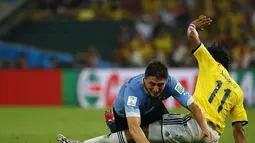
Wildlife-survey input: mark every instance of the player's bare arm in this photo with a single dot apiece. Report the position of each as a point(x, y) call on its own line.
point(135, 130)
point(195, 25)
point(201, 120)
point(238, 133)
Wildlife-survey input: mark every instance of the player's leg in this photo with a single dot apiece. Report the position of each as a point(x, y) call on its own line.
point(118, 137)
point(172, 129)
point(177, 128)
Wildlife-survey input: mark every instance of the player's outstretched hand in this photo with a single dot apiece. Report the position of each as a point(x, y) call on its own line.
point(208, 134)
point(201, 22)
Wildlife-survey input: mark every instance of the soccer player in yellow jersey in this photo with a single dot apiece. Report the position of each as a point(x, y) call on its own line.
point(216, 92)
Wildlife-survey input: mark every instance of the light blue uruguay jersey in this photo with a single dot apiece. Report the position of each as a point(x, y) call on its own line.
point(134, 101)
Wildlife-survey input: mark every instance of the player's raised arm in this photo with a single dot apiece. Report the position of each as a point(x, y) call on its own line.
point(195, 25)
point(205, 59)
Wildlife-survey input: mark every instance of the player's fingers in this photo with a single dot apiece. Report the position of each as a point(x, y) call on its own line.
point(212, 137)
point(208, 20)
point(203, 135)
point(202, 16)
point(205, 23)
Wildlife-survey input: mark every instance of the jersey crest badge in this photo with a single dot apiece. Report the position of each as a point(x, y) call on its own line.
point(132, 101)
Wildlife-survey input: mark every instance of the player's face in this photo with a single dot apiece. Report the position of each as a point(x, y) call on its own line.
point(154, 85)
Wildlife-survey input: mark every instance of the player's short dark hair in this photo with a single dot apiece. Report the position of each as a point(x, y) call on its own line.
point(220, 54)
point(157, 69)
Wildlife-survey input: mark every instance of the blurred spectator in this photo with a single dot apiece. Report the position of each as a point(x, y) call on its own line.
point(54, 63)
point(85, 11)
point(67, 7)
point(101, 7)
point(89, 58)
point(158, 26)
point(159, 29)
point(132, 8)
point(150, 6)
point(167, 12)
point(6, 64)
point(164, 44)
point(144, 26)
point(141, 50)
point(50, 6)
point(20, 62)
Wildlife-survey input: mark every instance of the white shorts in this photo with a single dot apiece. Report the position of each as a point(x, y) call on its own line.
point(177, 128)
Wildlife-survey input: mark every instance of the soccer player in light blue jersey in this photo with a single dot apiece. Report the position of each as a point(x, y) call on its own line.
point(139, 103)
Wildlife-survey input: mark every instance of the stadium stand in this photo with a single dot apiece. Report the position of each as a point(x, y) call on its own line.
point(156, 29)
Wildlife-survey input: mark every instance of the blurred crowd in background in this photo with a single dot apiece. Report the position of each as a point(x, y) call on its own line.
point(159, 30)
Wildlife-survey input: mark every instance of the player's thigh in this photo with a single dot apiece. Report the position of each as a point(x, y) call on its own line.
point(175, 128)
point(172, 129)
point(195, 132)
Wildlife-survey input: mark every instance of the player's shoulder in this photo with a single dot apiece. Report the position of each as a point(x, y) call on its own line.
point(135, 83)
point(171, 81)
point(135, 79)
point(238, 90)
point(171, 84)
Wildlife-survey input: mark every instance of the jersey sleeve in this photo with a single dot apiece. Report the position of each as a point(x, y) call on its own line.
point(132, 102)
point(179, 93)
point(238, 113)
point(204, 58)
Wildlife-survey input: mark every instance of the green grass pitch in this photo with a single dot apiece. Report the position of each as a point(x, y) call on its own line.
point(41, 125)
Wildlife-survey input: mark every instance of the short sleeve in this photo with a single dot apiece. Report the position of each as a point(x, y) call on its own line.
point(238, 112)
point(132, 103)
point(179, 93)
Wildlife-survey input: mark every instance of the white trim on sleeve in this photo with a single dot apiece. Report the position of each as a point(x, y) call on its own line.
point(190, 101)
point(132, 114)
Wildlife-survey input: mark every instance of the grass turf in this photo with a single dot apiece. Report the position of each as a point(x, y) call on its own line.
point(41, 125)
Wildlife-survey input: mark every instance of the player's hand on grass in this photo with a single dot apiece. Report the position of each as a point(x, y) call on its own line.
point(201, 22)
point(209, 135)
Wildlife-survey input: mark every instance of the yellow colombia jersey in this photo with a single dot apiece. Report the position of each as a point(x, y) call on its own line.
point(216, 92)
